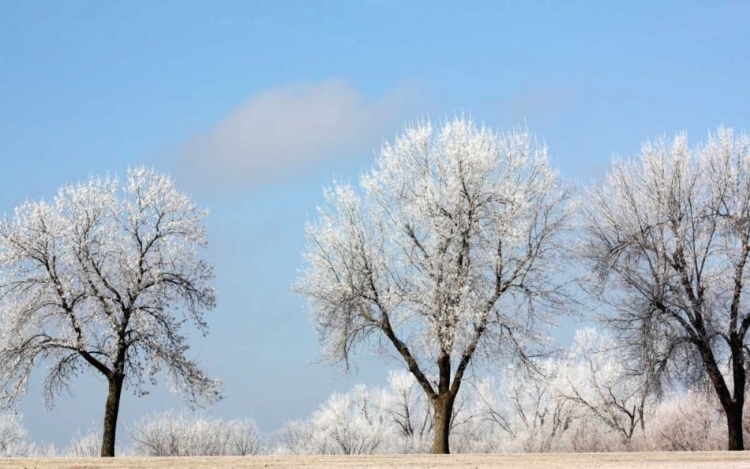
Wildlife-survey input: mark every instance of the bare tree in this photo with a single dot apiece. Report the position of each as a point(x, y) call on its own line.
point(448, 255)
point(105, 275)
point(668, 236)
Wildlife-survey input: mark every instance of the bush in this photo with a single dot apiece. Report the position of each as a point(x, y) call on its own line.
point(687, 422)
point(183, 434)
point(86, 445)
point(14, 439)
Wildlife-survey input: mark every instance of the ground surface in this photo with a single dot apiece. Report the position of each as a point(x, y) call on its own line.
point(509, 461)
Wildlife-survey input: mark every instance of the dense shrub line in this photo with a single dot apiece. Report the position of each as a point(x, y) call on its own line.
point(580, 402)
point(373, 421)
point(537, 418)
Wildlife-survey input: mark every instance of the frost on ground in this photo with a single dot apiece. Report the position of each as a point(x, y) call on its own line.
point(674, 460)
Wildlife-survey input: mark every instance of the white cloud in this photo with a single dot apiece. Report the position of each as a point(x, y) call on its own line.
point(284, 130)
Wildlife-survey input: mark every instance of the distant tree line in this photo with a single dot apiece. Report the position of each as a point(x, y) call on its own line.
point(580, 401)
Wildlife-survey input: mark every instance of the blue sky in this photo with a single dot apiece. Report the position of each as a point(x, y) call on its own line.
point(255, 106)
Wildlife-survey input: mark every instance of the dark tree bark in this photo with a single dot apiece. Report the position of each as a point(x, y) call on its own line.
point(70, 298)
point(734, 428)
point(427, 269)
point(111, 412)
point(732, 407)
point(443, 406)
point(731, 402)
point(680, 244)
point(116, 380)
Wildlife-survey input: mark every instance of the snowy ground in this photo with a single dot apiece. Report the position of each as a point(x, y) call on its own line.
point(509, 461)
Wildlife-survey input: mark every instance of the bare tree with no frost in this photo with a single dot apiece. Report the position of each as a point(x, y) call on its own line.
point(669, 236)
point(447, 256)
point(104, 276)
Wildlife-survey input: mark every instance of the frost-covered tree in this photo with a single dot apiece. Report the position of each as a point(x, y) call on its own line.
point(396, 419)
point(519, 410)
point(350, 423)
point(595, 376)
point(408, 408)
point(668, 237)
point(103, 277)
point(14, 438)
point(448, 254)
point(525, 411)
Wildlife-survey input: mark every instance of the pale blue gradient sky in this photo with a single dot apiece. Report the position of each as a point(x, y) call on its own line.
point(91, 87)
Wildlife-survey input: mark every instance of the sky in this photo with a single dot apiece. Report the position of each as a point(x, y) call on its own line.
point(254, 107)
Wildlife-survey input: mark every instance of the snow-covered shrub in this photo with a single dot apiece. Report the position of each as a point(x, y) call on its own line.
point(183, 434)
point(688, 421)
point(522, 411)
point(395, 419)
point(14, 438)
point(349, 423)
point(85, 445)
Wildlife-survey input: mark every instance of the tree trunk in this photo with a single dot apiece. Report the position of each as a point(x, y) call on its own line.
point(734, 422)
point(734, 427)
point(443, 411)
point(732, 406)
point(111, 411)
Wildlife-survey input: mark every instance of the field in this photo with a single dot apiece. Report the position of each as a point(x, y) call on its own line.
point(509, 461)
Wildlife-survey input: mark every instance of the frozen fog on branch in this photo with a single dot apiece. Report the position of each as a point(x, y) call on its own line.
point(667, 237)
point(578, 402)
point(103, 277)
point(454, 255)
point(447, 255)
